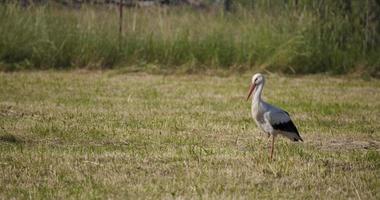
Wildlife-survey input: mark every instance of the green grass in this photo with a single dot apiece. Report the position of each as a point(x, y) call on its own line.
point(281, 39)
point(70, 135)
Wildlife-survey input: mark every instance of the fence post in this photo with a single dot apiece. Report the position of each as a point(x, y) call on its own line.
point(120, 23)
point(24, 3)
point(227, 5)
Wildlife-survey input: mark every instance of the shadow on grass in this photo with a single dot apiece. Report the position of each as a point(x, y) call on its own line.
point(9, 138)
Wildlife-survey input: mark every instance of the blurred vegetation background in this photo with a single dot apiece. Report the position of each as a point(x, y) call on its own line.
point(286, 36)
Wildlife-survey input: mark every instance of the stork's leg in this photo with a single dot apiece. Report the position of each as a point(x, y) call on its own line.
point(272, 148)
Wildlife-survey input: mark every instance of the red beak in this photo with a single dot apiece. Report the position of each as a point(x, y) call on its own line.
point(251, 88)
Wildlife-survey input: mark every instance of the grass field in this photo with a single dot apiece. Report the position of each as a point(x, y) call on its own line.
point(80, 134)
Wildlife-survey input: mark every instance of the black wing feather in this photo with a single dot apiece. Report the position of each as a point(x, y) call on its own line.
point(287, 127)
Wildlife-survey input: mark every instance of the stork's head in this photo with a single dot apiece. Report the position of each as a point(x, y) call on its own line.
point(257, 79)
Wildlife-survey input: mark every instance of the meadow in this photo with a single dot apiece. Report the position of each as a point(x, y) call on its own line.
point(311, 38)
point(114, 135)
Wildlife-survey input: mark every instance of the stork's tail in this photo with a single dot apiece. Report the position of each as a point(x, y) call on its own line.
point(297, 139)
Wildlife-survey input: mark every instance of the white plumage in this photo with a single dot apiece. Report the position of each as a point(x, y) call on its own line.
point(272, 120)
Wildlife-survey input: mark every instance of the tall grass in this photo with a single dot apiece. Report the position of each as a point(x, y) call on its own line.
point(292, 41)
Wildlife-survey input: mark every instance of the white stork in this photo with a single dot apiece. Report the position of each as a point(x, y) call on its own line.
point(270, 119)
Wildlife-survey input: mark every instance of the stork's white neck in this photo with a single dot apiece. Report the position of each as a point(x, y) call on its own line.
point(257, 96)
